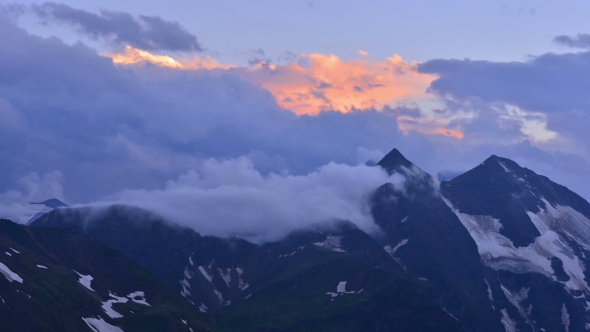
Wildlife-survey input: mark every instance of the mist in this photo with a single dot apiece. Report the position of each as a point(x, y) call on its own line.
point(232, 198)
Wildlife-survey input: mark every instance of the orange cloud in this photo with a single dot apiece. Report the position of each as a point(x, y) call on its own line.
point(428, 125)
point(324, 82)
point(134, 56)
point(363, 53)
point(329, 83)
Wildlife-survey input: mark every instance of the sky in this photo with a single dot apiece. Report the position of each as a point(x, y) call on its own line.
point(123, 101)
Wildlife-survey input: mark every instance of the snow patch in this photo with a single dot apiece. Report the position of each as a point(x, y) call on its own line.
point(331, 243)
point(241, 283)
point(16, 251)
point(549, 222)
point(190, 260)
point(185, 292)
point(225, 276)
point(509, 324)
point(42, 267)
point(188, 274)
point(9, 274)
point(399, 245)
point(107, 306)
point(85, 280)
point(288, 255)
point(504, 167)
point(499, 253)
point(490, 296)
point(185, 283)
point(515, 298)
point(404, 220)
point(205, 274)
point(9, 254)
point(450, 314)
point(220, 297)
point(203, 308)
point(565, 318)
point(391, 250)
point(99, 325)
point(340, 290)
point(138, 297)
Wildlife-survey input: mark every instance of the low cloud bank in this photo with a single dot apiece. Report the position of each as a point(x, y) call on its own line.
point(15, 204)
point(232, 198)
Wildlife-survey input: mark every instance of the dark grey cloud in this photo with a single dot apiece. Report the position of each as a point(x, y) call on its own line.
point(145, 32)
point(581, 40)
point(547, 83)
point(552, 84)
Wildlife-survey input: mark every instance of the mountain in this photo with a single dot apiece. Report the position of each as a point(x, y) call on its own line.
point(44, 207)
point(62, 280)
point(52, 203)
point(499, 247)
point(535, 233)
point(324, 279)
point(26, 212)
point(424, 235)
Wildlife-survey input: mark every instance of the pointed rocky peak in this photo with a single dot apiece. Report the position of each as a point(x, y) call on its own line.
point(395, 161)
point(503, 190)
point(501, 173)
point(504, 164)
point(52, 203)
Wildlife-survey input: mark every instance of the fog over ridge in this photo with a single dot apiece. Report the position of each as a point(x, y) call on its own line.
point(232, 198)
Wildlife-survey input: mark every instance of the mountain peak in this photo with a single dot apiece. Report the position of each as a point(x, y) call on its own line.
point(394, 160)
point(52, 203)
point(500, 163)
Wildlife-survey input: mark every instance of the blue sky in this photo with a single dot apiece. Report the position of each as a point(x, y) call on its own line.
point(417, 30)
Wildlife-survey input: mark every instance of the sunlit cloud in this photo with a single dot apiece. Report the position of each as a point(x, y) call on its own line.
point(533, 124)
point(428, 126)
point(134, 56)
point(324, 83)
point(319, 82)
point(363, 53)
point(330, 83)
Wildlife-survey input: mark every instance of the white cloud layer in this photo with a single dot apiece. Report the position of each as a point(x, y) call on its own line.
point(231, 198)
point(32, 188)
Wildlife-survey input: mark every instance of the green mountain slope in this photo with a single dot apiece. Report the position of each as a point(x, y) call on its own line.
point(62, 280)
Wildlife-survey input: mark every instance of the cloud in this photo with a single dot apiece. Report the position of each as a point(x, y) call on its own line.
point(109, 127)
point(581, 40)
point(145, 32)
point(547, 83)
point(134, 56)
point(322, 83)
point(329, 83)
point(10, 118)
point(232, 198)
point(34, 187)
point(547, 94)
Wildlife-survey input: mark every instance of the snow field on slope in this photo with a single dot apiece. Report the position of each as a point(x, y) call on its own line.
point(9, 274)
point(99, 325)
